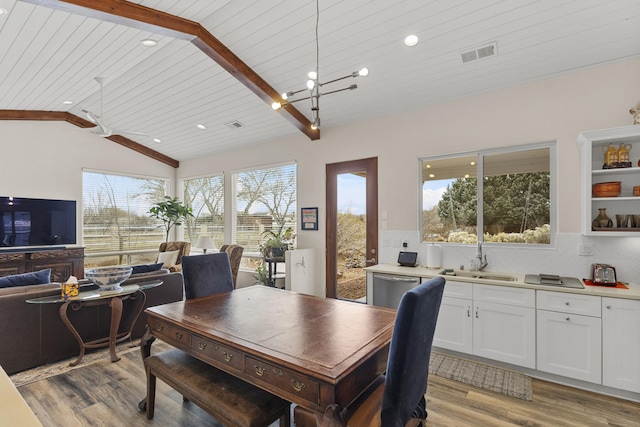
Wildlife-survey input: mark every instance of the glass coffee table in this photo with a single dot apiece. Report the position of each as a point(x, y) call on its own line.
point(96, 297)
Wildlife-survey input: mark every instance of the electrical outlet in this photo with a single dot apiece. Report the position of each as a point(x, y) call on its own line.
point(585, 249)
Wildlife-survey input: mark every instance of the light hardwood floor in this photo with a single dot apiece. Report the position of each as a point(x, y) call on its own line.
point(106, 394)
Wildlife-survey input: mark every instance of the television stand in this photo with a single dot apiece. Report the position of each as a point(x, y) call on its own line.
point(62, 261)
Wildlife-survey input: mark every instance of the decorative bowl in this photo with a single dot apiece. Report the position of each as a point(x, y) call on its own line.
point(606, 189)
point(108, 278)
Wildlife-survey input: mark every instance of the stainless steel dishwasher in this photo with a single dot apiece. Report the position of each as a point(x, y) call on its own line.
point(388, 289)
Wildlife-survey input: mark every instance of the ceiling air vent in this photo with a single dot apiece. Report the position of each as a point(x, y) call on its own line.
point(480, 53)
point(234, 125)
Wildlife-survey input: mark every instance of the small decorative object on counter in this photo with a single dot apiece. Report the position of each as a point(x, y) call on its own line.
point(602, 220)
point(69, 288)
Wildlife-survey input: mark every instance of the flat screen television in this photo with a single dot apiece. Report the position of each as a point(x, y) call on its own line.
point(36, 222)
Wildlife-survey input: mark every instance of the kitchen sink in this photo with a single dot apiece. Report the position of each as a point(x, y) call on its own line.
point(480, 275)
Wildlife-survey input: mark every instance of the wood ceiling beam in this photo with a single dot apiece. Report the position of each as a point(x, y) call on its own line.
point(145, 18)
point(65, 116)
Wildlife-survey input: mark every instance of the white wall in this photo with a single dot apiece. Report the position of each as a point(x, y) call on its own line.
point(45, 159)
point(552, 110)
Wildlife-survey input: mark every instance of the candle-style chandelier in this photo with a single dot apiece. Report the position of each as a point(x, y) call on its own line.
point(314, 85)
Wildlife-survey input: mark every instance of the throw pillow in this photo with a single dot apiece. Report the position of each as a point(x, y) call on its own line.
point(168, 258)
point(26, 279)
point(146, 268)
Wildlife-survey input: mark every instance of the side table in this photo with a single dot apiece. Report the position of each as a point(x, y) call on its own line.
point(95, 297)
point(272, 267)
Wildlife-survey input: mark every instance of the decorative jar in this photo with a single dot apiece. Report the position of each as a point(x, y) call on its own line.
point(602, 220)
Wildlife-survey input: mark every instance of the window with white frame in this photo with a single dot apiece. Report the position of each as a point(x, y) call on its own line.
point(264, 200)
point(512, 203)
point(205, 196)
point(115, 218)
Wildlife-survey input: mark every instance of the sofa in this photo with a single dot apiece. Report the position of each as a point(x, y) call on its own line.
point(33, 334)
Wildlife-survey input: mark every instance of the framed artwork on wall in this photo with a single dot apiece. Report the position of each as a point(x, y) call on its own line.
point(309, 218)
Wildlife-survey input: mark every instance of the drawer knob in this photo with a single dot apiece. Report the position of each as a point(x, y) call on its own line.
point(566, 303)
point(259, 371)
point(179, 336)
point(227, 356)
point(568, 319)
point(202, 345)
point(159, 328)
point(278, 372)
point(297, 386)
point(608, 307)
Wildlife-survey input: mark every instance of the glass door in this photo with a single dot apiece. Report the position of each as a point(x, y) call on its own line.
point(352, 227)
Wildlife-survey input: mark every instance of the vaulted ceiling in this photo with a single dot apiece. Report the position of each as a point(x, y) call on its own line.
point(52, 51)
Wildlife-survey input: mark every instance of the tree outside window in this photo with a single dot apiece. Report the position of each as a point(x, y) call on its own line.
point(115, 213)
point(515, 206)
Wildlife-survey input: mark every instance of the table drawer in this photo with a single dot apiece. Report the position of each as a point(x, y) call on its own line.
point(213, 350)
point(169, 333)
point(284, 380)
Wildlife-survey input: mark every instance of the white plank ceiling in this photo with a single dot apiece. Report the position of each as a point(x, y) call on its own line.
point(49, 56)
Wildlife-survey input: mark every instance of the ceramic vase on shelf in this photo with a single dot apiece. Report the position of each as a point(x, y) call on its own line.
point(602, 220)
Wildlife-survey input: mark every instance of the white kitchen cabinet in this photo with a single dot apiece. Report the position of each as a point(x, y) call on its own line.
point(569, 335)
point(592, 146)
point(454, 329)
point(496, 322)
point(621, 343)
point(505, 332)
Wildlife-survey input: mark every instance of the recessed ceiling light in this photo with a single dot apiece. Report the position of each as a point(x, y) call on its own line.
point(157, 140)
point(148, 42)
point(67, 102)
point(203, 127)
point(432, 175)
point(411, 40)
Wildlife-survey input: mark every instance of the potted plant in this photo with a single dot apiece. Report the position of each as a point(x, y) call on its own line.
point(276, 243)
point(172, 212)
point(262, 276)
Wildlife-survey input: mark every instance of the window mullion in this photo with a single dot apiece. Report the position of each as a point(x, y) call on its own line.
point(480, 205)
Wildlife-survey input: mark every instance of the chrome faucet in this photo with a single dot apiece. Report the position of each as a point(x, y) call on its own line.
point(481, 262)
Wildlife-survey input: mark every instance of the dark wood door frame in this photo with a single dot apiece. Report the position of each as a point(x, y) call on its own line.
point(370, 166)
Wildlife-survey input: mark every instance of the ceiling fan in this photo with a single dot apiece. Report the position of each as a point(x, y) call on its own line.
point(101, 128)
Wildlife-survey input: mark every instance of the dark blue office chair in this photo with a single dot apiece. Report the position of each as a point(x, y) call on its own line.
point(206, 274)
point(397, 398)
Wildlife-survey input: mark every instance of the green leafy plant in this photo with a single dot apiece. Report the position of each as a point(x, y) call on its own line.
point(262, 276)
point(276, 242)
point(170, 211)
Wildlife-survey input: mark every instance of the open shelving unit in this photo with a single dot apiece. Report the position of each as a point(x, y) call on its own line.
point(592, 146)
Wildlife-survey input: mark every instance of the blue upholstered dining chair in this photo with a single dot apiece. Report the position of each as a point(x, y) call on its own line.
point(397, 398)
point(206, 274)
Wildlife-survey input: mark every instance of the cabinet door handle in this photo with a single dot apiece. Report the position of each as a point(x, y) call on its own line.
point(227, 356)
point(476, 312)
point(259, 371)
point(608, 307)
point(201, 345)
point(468, 311)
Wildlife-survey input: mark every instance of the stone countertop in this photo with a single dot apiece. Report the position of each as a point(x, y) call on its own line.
point(518, 280)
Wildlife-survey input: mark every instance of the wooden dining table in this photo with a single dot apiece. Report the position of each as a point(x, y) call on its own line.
point(314, 352)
